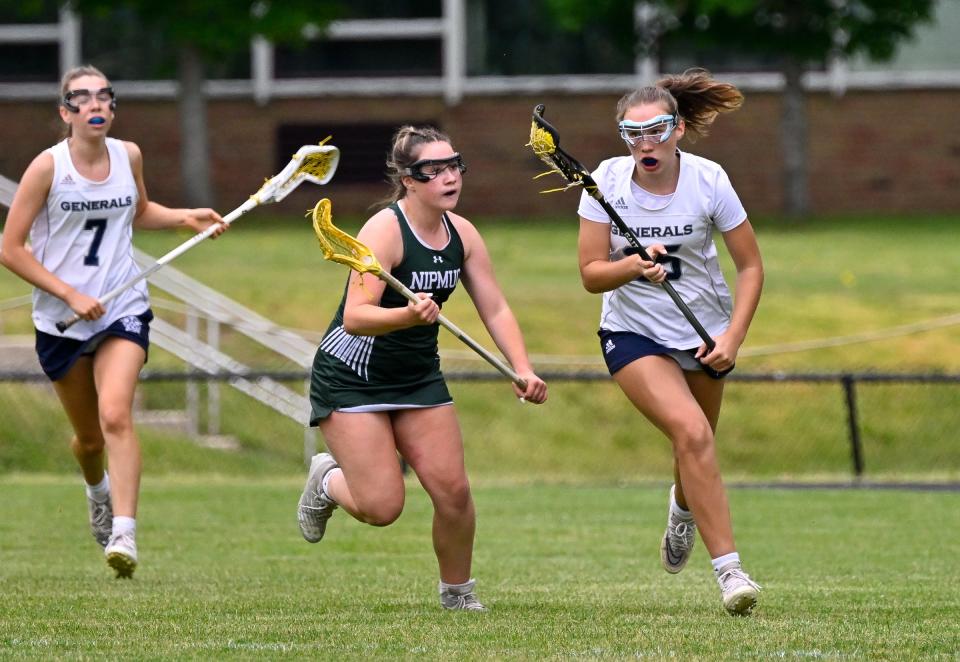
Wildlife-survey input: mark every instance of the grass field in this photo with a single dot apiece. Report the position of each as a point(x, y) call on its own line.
point(571, 495)
point(568, 572)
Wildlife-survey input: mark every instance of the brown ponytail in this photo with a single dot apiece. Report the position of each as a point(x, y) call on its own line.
point(694, 95)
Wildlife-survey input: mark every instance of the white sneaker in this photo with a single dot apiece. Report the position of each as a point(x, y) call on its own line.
point(677, 543)
point(739, 592)
point(101, 519)
point(121, 553)
point(315, 509)
point(461, 599)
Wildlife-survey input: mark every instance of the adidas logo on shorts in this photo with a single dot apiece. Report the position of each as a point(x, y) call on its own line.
point(609, 346)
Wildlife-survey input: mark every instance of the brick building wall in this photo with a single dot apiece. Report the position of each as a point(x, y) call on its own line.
point(891, 151)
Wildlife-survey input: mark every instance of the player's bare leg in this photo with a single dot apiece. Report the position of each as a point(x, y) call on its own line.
point(368, 482)
point(685, 406)
point(430, 441)
point(116, 368)
point(78, 395)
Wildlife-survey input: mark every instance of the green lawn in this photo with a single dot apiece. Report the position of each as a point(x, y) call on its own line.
point(568, 572)
point(571, 495)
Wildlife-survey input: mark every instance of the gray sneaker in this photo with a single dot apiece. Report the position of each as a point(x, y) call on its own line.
point(315, 508)
point(461, 599)
point(678, 540)
point(121, 553)
point(101, 519)
point(739, 592)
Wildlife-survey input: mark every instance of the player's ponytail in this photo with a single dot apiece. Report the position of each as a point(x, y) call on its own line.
point(694, 95)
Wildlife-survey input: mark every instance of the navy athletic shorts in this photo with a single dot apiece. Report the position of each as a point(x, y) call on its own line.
point(620, 348)
point(58, 354)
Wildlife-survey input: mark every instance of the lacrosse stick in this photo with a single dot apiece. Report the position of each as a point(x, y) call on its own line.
point(340, 247)
point(312, 163)
point(545, 143)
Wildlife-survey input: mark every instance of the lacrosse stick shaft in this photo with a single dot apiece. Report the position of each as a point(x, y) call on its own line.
point(667, 286)
point(176, 252)
point(506, 370)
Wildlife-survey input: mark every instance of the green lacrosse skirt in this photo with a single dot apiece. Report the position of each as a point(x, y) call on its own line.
point(334, 386)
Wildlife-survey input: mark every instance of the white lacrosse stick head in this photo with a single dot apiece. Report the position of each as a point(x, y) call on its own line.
point(312, 163)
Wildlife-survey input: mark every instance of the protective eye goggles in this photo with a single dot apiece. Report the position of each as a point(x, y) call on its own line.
point(655, 130)
point(73, 99)
point(426, 169)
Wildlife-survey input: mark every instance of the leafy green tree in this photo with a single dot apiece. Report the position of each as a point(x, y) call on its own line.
point(203, 32)
point(799, 36)
point(793, 36)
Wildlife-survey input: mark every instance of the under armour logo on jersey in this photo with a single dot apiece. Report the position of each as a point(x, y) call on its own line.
point(437, 258)
point(132, 324)
point(620, 204)
point(67, 181)
point(609, 346)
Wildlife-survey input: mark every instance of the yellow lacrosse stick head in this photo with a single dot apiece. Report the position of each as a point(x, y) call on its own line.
point(541, 141)
point(542, 144)
point(337, 245)
point(545, 143)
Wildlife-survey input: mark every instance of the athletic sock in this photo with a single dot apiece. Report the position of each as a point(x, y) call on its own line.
point(726, 559)
point(456, 589)
point(326, 483)
point(676, 509)
point(124, 525)
point(101, 491)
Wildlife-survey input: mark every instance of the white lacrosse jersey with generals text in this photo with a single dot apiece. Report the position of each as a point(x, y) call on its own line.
point(683, 222)
point(83, 235)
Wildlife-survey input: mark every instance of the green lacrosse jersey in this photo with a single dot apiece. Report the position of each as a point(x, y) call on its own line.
point(396, 370)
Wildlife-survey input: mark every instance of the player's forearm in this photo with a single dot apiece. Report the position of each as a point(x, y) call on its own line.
point(157, 217)
point(371, 320)
point(601, 276)
point(20, 261)
point(747, 298)
point(505, 331)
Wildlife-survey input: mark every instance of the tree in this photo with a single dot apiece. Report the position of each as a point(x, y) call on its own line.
point(795, 36)
point(800, 36)
point(203, 31)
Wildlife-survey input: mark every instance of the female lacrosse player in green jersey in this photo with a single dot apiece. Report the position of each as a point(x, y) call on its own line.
point(78, 203)
point(377, 389)
point(674, 201)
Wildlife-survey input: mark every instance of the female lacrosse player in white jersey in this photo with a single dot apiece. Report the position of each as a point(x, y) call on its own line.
point(674, 201)
point(78, 203)
point(377, 389)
